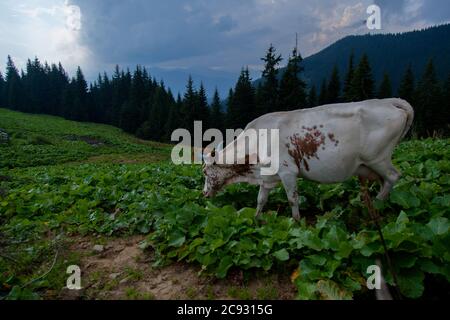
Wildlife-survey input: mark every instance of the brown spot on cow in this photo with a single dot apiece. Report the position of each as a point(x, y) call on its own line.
point(333, 139)
point(306, 147)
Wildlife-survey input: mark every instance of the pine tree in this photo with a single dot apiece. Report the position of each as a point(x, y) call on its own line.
point(120, 83)
point(36, 87)
point(202, 107)
point(132, 114)
point(216, 118)
point(362, 84)
point(347, 91)
point(312, 97)
point(334, 87)
point(292, 88)
point(13, 86)
point(407, 86)
point(153, 127)
point(429, 114)
point(229, 120)
point(269, 89)
point(173, 118)
point(57, 83)
point(243, 107)
point(385, 90)
point(323, 96)
point(189, 106)
point(81, 99)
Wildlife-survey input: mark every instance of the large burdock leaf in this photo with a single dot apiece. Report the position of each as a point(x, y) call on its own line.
point(405, 199)
point(176, 239)
point(411, 283)
point(281, 255)
point(223, 267)
point(439, 225)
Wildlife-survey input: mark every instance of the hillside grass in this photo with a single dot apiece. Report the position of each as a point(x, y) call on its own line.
point(126, 187)
point(38, 140)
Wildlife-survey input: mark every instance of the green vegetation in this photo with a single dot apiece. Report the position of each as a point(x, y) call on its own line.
point(327, 253)
point(46, 140)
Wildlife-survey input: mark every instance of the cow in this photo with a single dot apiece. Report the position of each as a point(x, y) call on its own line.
point(326, 144)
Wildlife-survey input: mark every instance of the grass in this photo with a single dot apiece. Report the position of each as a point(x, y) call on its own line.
point(240, 293)
point(38, 140)
point(134, 274)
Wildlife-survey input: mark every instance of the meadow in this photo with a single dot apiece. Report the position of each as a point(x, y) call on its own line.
point(62, 180)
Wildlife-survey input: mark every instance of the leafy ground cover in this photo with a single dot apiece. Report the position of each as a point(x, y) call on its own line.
point(326, 255)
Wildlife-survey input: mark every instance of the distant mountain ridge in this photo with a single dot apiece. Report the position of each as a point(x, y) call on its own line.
point(389, 53)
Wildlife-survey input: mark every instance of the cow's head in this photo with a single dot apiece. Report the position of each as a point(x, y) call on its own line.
point(214, 177)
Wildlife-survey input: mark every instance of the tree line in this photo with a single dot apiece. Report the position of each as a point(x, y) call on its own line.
point(141, 105)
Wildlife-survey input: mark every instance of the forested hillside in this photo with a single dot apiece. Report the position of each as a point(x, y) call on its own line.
point(391, 53)
point(417, 69)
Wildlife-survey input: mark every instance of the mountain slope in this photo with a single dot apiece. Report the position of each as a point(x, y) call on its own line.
point(387, 53)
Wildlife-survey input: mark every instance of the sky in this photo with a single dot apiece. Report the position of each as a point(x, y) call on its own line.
point(210, 39)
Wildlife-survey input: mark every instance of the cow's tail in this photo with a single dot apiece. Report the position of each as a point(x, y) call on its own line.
point(408, 109)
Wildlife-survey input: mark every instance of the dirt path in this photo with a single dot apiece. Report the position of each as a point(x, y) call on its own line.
point(119, 269)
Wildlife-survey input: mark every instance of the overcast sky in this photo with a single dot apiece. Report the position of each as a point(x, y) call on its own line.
point(211, 39)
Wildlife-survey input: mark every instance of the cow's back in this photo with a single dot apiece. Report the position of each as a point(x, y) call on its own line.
point(328, 143)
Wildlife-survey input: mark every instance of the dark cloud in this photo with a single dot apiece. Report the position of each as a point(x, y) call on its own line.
point(153, 31)
point(410, 11)
point(437, 11)
point(219, 37)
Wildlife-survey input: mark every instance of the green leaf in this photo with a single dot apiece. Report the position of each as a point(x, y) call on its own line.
point(404, 260)
point(306, 290)
point(405, 199)
point(411, 283)
point(223, 267)
point(439, 225)
point(176, 240)
point(442, 200)
point(281, 255)
point(402, 218)
point(334, 237)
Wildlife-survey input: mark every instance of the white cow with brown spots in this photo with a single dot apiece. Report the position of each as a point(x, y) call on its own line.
point(327, 144)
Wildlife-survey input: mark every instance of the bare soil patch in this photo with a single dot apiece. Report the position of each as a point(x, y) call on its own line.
point(117, 268)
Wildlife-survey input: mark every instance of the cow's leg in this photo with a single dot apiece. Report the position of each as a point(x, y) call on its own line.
point(290, 185)
point(390, 176)
point(263, 195)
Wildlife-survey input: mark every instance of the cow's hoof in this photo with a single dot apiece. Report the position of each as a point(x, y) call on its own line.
point(296, 217)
